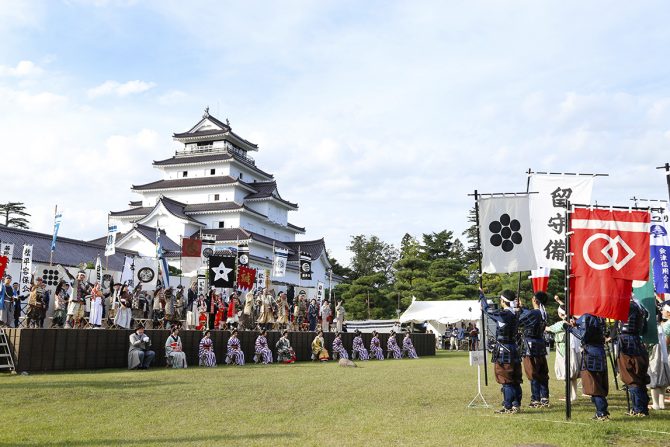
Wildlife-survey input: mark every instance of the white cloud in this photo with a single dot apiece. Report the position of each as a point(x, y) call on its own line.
point(120, 89)
point(22, 69)
point(172, 97)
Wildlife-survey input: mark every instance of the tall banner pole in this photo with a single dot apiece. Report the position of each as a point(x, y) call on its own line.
point(667, 175)
point(181, 249)
point(51, 254)
point(481, 285)
point(566, 287)
point(518, 287)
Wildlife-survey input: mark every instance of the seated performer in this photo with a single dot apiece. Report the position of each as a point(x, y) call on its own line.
point(206, 354)
point(263, 352)
point(376, 351)
point(633, 359)
point(408, 347)
point(235, 354)
point(319, 351)
point(174, 354)
point(558, 329)
point(505, 354)
point(139, 354)
point(534, 321)
point(285, 352)
point(338, 348)
point(358, 349)
point(392, 347)
point(591, 331)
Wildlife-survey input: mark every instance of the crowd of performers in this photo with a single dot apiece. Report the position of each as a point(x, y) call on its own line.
point(80, 304)
point(140, 354)
point(640, 367)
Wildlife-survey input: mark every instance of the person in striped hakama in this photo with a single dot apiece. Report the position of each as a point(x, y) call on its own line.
point(376, 350)
point(263, 352)
point(206, 351)
point(408, 347)
point(358, 349)
point(235, 354)
point(392, 346)
point(338, 348)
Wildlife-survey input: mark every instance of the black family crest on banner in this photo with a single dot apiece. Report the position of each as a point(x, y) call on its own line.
point(305, 266)
point(243, 254)
point(222, 271)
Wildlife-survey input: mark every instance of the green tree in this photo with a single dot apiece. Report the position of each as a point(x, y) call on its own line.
point(366, 297)
point(371, 255)
point(339, 269)
point(14, 214)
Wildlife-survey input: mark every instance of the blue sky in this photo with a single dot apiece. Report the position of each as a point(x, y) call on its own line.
point(376, 117)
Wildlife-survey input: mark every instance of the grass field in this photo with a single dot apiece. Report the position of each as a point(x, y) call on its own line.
point(420, 402)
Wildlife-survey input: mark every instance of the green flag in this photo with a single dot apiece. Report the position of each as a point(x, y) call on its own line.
point(645, 295)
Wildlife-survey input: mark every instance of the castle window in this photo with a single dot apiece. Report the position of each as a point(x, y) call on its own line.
point(221, 224)
point(184, 173)
point(216, 197)
point(241, 175)
point(212, 171)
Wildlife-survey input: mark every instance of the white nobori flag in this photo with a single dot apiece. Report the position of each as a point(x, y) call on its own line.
point(547, 211)
point(504, 228)
point(279, 264)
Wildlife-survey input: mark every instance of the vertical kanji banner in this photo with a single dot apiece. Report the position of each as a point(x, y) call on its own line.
point(660, 250)
point(547, 213)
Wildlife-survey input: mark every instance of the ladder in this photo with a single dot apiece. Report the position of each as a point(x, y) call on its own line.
point(6, 360)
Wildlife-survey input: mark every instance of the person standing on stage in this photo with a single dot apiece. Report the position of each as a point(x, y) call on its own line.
point(17, 303)
point(248, 311)
point(232, 318)
point(95, 318)
point(6, 295)
point(505, 354)
point(139, 354)
point(534, 321)
point(325, 316)
point(283, 311)
point(267, 302)
point(339, 314)
point(633, 359)
point(312, 314)
point(595, 383)
point(60, 300)
point(76, 307)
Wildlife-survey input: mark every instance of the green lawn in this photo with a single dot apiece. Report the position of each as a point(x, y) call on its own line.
point(420, 402)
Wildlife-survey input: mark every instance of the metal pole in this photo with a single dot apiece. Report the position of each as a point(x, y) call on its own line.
point(667, 175)
point(568, 391)
point(479, 261)
point(518, 287)
point(51, 254)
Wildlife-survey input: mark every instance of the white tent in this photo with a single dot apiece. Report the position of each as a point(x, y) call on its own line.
point(438, 314)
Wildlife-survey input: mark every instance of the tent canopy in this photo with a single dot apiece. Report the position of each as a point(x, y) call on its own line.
point(443, 312)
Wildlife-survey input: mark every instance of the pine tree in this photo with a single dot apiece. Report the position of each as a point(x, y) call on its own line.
point(11, 209)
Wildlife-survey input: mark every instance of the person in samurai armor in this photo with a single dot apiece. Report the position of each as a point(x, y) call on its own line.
point(633, 359)
point(62, 298)
point(505, 355)
point(263, 354)
point(534, 321)
point(266, 304)
point(37, 303)
point(595, 383)
point(77, 306)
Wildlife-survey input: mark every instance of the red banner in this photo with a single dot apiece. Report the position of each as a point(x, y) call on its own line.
point(191, 248)
point(611, 249)
point(4, 261)
point(246, 278)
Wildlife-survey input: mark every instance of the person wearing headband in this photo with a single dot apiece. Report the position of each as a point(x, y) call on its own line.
point(595, 381)
point(558, 329)
point(505, 353)
point(534, 321)
point(633, 359)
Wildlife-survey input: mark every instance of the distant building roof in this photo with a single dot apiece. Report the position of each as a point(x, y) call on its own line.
point(213, 180)
point(69, 252)
point(313, 248)
point(267, 190)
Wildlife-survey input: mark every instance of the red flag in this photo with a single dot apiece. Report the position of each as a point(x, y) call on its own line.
point(540, 279)
point(4, 260)
point(610, 250)
point(246, 278)
point(191, 248)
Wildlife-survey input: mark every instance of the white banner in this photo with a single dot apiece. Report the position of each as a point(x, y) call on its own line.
point(26, 268)
point(504, 227)
point(145, 272)
point(279, 264)
point(127, 272)
point(319, 291)
point(98, 271)
point(260, 278)
point(110, 246)
point(7, 249)
point(547, 211)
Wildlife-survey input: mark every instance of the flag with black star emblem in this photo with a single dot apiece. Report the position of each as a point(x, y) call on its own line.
point(222, 272)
